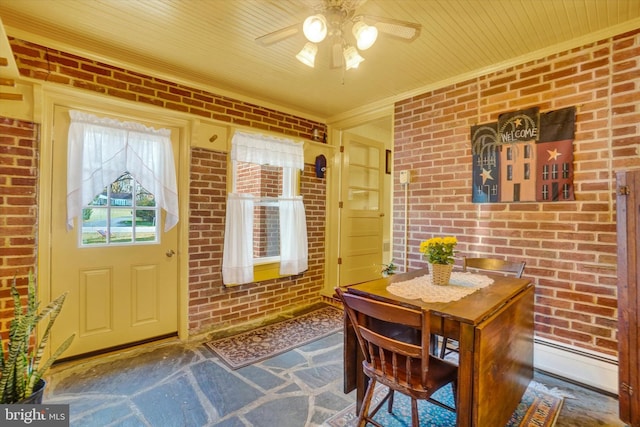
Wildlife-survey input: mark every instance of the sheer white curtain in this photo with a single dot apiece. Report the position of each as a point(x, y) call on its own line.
point(101, 149)
point(267, 150)
point(237, 256)
point(293, 236)
point(285, 153)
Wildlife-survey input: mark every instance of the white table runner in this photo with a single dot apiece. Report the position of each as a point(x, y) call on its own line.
point(460, 285)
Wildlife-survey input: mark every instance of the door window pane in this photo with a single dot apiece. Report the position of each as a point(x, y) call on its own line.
point(364, 173)
point(123, 213)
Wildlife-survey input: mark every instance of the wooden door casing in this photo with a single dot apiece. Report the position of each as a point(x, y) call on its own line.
point(628, 219)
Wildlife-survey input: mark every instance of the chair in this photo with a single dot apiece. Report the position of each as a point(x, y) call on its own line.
point(509, 268)
point(400, 365)
point(494, 265)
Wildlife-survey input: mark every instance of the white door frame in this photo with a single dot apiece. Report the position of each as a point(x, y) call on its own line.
point(335, 129)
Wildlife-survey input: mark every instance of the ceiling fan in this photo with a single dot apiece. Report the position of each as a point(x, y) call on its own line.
point(332, 19)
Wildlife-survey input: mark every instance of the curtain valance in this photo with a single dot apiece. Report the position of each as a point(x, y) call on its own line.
point(101, 149)
point(267, 150)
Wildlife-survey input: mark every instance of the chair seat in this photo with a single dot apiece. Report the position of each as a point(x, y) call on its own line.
point(441, 373)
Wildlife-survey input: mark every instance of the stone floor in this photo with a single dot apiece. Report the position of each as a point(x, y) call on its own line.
point(170, 384)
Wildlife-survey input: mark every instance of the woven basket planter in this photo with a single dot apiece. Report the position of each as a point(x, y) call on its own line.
point(440, 273)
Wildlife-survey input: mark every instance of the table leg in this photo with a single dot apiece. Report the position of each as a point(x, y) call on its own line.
point(354, 377)
point(464, 403)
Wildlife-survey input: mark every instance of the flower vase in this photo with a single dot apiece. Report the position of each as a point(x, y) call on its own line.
point(440, 273)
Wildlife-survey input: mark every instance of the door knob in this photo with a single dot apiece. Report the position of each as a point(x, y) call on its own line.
point(170, 253)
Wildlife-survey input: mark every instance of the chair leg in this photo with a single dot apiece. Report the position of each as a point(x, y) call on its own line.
point(390, 402)
point(366, 403)
point(443, 349)
point(415, 420)
point(454, 391)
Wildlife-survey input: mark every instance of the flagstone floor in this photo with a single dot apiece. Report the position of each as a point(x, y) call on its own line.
point(169, 384)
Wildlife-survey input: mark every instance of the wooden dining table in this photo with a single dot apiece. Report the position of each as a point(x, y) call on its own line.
point(494, 329)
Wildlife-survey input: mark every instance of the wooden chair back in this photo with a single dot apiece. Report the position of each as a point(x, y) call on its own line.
point(494, 264)
point(394, 360)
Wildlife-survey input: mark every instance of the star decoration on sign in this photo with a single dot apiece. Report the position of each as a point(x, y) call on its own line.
point(486, 175)
point(553, 155)
point(517, 122)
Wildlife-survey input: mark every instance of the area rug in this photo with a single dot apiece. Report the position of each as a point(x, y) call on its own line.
point(265, 342)
point(539, 407)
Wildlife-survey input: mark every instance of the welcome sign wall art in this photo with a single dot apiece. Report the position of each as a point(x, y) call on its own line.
point(526, 156)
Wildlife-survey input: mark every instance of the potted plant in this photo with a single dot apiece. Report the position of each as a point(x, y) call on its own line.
point(21, 363)
point(389, 269)
point(438, 251)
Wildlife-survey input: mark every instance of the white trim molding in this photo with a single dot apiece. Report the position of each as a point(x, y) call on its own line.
point(576, 364)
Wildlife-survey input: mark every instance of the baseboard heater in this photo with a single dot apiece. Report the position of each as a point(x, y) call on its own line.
point(581, 366)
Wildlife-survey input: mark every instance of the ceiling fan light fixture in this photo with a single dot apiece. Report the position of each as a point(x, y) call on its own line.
point(365, 35)
point(352, 58)
point(315, 28)
point(308, 54)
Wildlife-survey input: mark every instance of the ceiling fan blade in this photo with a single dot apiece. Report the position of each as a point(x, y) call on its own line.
point(279, 35)
point(404, 30)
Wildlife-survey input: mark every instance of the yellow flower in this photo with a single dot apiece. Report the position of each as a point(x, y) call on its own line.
point(439, 250)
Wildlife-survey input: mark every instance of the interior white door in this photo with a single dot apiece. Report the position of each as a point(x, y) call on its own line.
point(361, 215)
point(119, 292)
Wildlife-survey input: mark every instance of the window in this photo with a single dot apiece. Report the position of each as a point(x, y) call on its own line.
point(545, 172)
point(123, 213)
point(265, 220)
point(264, 182)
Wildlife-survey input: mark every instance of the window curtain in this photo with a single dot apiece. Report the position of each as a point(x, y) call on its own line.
point(293, 236)
point(102, 149)
point(285, 153)
point(267, 150)
point(237, 256)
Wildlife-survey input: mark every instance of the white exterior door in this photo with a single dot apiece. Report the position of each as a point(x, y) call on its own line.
point(121, 279)
point(361, 215)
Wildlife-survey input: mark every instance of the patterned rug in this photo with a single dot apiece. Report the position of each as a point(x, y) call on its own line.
point(262, 343)
point(539, 407)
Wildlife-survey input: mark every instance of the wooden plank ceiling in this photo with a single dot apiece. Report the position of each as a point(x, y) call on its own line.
point(211, 43)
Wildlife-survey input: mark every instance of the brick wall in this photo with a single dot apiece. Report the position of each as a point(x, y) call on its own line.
point(56, 66)
point(569, 247)
point(18, 208)
point(211, 305)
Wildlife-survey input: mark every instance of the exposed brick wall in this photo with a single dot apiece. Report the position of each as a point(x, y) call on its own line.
point(18, 210)
point(210, 305)
point(56, 66)
point(569, 247)
point(213, 306)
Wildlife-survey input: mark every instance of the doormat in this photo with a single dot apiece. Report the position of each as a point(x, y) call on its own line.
point(265, 342)
point(539, 407)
